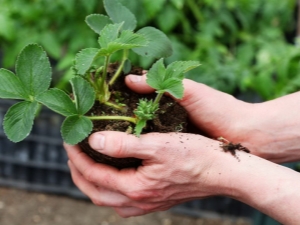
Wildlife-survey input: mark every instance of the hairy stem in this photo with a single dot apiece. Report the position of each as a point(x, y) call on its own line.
point(104, 74)
point(115, 106)
point(125, 118)
point(158, 98)
point(118, 72)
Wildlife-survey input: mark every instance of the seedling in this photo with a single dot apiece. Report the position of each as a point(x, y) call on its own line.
point(31, 83)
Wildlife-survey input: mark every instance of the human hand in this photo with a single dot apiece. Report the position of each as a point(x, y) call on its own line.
point(270, 129)
point(176, 168)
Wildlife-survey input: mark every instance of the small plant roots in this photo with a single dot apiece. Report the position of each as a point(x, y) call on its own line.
point(228, 146)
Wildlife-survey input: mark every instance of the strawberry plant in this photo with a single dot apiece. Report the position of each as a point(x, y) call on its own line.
point(90, 84)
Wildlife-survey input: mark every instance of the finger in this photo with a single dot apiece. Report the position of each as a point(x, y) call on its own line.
point(97, 173)
point(194, 93)
point(138, 84)
point(126, 212)
point(123, 145)
point(100, 196)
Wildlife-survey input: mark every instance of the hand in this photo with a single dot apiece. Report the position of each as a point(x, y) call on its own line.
point(270, 129)
point(176, 168)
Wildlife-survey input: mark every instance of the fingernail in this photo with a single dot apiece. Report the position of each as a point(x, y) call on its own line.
point(134, 78)
point(97, 141)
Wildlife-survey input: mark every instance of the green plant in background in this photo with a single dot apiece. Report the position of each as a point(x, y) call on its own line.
point(239, 42)
point(116, 34)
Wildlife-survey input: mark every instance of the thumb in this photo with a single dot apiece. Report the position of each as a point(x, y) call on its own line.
point(121, 145)
point(138, 84)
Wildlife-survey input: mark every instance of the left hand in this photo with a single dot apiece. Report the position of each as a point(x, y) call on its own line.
point(176, 168)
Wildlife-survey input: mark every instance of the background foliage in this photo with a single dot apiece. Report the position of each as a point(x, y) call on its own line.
point(243, 45)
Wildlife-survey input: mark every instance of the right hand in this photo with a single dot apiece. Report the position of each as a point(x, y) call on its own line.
point(270, 129)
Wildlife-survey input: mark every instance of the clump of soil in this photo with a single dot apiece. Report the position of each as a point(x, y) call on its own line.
point(171, 117)
point(228, 146)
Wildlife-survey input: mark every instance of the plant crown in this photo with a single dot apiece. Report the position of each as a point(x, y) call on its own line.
point(31, 83)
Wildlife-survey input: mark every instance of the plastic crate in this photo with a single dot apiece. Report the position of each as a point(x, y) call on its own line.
point(216, 208)
point(39, 162)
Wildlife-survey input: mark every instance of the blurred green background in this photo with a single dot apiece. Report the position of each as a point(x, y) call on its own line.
point(244, 46)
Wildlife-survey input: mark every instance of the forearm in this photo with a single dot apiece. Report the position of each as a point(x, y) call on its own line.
point(266, 186)
point(272, 129)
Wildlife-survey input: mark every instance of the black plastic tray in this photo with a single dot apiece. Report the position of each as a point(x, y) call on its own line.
point(39, 162)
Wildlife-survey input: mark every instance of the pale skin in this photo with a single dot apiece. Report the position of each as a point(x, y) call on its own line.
point(182, 167)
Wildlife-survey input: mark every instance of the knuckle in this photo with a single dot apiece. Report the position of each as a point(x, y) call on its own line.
point(89, 175)
point(97, 202)
point(147, 207)
point(136, 195)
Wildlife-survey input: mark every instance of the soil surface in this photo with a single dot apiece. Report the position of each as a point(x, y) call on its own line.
point(170, 117)
point(19, 207)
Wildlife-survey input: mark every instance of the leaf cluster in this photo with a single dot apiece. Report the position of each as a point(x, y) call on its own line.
point(31, 83)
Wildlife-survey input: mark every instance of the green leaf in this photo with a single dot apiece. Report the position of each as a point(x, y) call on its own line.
point(84, 95)
point(139, 127)
point(33, 69)
point(58, 101)
point(170, 79)
point(75, 128)
point(134, 40)
point(159, 45)
point(119, 13)
point(11, 86)
point(155, 75)
point(97, 22)
point(146, 109)
point(18, 120)
point(127, 40)
point(109, 34)
point(174, 87)
point(84, 60)
point(178, 68)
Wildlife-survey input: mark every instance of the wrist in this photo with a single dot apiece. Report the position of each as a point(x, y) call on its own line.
point(268, 187)
point(272, 129)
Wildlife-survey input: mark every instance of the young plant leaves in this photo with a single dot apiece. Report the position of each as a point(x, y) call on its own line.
point(84, 60)
point(119, 13)
point(75, 128)
point(97, 22)
point(58, 101)
point(139, 127)
point(109, 34)
point(159, 45)
point(33, 69)
point(84, 95)
point(169, 79)
point(145, 111)
point(11, 86)
point(127, 40)
point(18, 120)
point(179, 68)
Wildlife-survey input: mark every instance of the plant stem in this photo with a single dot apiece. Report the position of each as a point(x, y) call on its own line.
point(158, 97)
point(125, 118)
point(118, 72)
point(104, 74)
point(110, 104)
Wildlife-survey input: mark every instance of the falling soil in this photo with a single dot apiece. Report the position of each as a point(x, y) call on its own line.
point(228, 146)
point(171, 117)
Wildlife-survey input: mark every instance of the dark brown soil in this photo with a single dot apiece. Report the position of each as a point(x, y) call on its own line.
point(228, 146)
point(171, 117)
